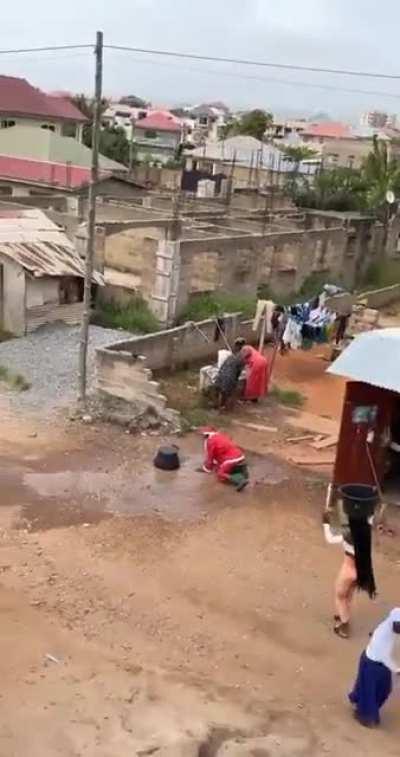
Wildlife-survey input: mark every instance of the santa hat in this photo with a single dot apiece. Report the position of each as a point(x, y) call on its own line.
point(207, 430)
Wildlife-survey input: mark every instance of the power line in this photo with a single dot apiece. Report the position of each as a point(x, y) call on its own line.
point(245, 62)
point(271, 80)
point(212, 58)
point(49, 48)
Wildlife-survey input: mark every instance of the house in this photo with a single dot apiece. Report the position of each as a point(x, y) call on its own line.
point(341, 144)
point(208, 121)
point(23, 104)
point(32, 159)
point(157, 136)
point(41, 273)
point(249, 161)
point(319, 133)
point(122, 116)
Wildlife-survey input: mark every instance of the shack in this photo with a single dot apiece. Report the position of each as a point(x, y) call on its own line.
point(368, 448)
point(41, 272)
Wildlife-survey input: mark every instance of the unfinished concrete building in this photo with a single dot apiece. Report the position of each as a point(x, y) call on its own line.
point(169, 248)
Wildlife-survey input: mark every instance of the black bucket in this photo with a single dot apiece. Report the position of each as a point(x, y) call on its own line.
point(359, 500)
point(167, 458)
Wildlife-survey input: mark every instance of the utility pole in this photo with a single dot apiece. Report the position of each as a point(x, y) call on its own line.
point(91, 220)
point(131, 145)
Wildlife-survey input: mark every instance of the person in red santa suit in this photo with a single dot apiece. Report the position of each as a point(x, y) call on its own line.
point(224, 457)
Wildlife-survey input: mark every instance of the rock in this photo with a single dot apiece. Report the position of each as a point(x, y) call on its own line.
point(87, 418)
point(32, 435)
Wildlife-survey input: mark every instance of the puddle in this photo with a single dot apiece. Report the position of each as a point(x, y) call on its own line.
point(54, 498)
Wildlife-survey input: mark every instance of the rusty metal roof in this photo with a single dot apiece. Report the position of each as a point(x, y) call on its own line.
point(31, 239)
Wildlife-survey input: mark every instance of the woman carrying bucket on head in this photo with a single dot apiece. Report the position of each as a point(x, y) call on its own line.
point(356, 571)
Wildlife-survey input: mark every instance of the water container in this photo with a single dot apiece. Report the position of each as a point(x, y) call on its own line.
point(359, 500)
point(167, 458)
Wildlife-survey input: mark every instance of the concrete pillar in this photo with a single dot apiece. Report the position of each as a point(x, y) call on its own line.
point(165, 294)
point(147, 201)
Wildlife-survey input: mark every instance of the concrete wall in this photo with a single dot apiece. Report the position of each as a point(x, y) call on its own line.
point(42, 291)
point(184, 344)
point(123, 375)
point(160, 178)
point(134, 251)
point(379, 298)
point(14, 296)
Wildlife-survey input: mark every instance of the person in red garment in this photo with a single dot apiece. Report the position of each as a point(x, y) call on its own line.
point(256, 373)
point(225, 457)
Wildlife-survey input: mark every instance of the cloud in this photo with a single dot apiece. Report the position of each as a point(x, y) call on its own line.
point(314, 32)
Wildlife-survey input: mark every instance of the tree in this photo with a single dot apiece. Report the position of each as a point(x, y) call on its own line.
point(86, 106)
point(298, 153)
point(114, 143)
point(341, 189)
point(295, 154)
point(254, 124)
point(133, 101)
point(381, 174)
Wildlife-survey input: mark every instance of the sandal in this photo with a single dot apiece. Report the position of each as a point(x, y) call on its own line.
point(342, 630)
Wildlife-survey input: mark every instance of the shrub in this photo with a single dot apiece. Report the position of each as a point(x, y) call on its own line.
point(135, 317)
point(216, 304)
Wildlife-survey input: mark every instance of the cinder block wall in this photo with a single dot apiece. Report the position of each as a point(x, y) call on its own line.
point(168, 349)
point(123, 375)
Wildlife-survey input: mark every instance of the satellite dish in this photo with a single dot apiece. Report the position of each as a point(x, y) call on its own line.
point(390, 198)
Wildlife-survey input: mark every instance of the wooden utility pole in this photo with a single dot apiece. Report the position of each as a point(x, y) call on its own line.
point(91, 219)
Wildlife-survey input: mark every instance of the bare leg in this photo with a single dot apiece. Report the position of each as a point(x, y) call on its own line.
point(344, 590)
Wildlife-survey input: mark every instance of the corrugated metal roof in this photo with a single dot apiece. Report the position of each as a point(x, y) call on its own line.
point(250, 152)
point(29, 238)
point(373, 357)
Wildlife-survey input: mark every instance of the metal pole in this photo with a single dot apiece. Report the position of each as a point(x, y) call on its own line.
point(131, 141)
point(91, 220)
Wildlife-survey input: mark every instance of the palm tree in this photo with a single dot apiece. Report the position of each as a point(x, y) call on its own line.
point(381, 174)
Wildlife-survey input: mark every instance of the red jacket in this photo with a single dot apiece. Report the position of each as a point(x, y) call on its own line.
point(219, 448)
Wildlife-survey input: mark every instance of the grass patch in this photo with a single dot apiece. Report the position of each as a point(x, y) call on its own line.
point(136, 317)
point(384, 274)
point(15, 381)
point(287, 397)
point(181, 390)
point(209, 305)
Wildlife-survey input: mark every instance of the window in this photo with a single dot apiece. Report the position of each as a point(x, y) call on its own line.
point(68, 130)
point(150, 134)
point(7, 124)
point(50, 127)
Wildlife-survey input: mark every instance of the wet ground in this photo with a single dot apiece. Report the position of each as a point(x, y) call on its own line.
point(71, 489)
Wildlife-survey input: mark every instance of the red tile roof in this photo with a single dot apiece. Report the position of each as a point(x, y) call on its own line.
point(159, 120)
point(42, 172)
point(329, 129)
point(19, 98)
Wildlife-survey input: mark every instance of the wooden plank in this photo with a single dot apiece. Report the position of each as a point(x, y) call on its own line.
point(305, 438)
point(314, 423)
point(255, 426)
point(311, 463)
point(325, 443)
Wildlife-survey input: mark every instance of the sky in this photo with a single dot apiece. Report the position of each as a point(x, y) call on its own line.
point(351, 34)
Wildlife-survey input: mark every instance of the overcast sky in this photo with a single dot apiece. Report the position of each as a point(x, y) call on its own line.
point(357, 34)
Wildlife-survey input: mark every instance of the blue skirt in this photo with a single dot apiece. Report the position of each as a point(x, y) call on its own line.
point(371, 689)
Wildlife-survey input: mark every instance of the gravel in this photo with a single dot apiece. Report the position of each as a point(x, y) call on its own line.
point(48, 359)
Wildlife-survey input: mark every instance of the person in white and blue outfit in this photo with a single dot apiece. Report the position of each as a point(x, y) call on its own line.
point(378, 663)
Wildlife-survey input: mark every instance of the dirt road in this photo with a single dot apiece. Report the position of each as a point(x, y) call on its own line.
point(145, 613)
